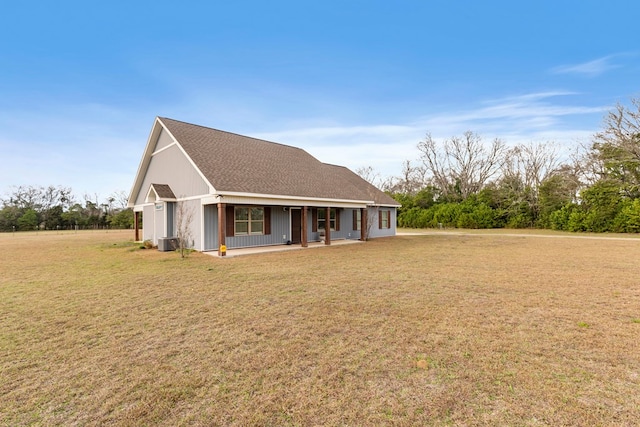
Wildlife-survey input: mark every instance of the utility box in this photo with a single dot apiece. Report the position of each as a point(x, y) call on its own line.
point(167, 244)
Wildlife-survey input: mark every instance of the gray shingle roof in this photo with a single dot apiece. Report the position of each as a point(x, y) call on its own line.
point(236, 163)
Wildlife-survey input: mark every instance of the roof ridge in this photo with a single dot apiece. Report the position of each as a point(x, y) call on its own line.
point(234, 134)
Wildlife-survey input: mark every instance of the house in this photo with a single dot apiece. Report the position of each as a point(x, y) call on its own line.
point(244, 192)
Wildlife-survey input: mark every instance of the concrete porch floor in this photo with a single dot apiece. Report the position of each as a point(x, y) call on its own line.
point(279, 248)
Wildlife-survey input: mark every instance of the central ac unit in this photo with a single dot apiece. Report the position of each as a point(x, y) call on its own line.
point(166, 244)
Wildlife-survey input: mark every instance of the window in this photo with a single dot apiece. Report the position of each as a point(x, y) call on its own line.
point(318, 220)
point(171, 219)
point(385, 219)
point(322, 213)
point(357, 219)
point(248, 221)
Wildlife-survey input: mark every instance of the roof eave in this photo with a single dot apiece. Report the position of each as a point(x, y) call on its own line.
point(144, 162)
point(294, 199)
point(386, 205)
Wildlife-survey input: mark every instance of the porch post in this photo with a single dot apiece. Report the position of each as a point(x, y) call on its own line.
point(303, 238)
point(327, 226)
point(363, 224)
point(222, 228)
point(136, 227)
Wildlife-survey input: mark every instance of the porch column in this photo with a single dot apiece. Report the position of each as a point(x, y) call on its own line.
point(222, 227)
point(327, 227)
point(363, 224)
point(304, 239)
point(136, 226)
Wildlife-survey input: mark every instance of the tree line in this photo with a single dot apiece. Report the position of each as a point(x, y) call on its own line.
point(27, 208)
point(462, 181)
point(466, 182)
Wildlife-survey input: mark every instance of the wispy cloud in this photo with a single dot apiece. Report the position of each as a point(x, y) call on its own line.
point(94, 148)
point(540, 116)
point(592, 68)
point(528, 112)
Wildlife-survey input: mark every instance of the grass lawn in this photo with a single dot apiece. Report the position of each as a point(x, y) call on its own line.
point(436, 330)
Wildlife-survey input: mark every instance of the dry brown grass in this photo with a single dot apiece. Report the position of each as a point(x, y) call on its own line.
point(416, 330)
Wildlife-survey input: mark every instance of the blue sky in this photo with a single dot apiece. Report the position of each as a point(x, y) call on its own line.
point(356, 83)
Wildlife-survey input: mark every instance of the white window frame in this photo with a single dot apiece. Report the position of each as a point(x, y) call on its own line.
point(332, 219)
point(385, 220)
point(249, 221)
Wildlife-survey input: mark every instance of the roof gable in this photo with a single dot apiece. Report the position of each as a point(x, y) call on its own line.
point(161, 192)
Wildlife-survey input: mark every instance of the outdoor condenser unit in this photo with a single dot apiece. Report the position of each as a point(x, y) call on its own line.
point(166, 244)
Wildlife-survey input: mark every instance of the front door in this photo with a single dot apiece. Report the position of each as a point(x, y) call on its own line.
point(296, 226)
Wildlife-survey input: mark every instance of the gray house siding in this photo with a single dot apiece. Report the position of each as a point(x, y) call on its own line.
point(164, 140)
point(280, 229)
point(210, 213)
point(148, 223)
point(374, 229)
point(346, 231)
point(159, 220)
point(171, 219)
point(279, 232)
point(183, 178)
point(346, 225)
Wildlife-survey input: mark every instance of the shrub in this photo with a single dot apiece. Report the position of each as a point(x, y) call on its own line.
point(559, 219)
point(576, 221)
point(628, 220)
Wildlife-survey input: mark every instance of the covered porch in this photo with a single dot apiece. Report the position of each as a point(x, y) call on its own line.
point(279, 248)
point(299, 226)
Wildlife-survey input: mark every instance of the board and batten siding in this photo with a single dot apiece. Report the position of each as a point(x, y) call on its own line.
point(184, 180)
point(279, 232)
point(346, 231)
point(159, 221)
point(195, 208)
point(171, 218)
point(164, 140)
point(210, 213)
point(375, 230)
point(346, 226)
point(148, 223)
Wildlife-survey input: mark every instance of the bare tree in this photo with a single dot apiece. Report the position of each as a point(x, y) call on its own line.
point(372, 218)
point(46, 201)
point(461, 166)
point(369, 174)
point(120, 198)
point(26, 197)
point(622, 128)
point(184, 231)
point(617, 147)
point(93, 211)
point(411, 180)
point(585, 165)
point(531, 163)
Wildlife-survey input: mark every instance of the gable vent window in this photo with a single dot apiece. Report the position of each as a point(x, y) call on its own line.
point(249, 220)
